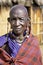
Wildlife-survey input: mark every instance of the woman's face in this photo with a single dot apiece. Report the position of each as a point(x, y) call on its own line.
point(18, 21)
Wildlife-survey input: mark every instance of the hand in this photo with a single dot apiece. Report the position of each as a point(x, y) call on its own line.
point(5, 58)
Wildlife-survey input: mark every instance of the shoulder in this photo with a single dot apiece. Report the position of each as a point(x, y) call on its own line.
point(34, 40)
point(3, 39)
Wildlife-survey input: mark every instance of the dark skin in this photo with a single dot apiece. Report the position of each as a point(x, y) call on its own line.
point(18, 21)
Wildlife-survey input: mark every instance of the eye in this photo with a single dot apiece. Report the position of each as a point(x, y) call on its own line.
point(13, 19)
point(21, 19)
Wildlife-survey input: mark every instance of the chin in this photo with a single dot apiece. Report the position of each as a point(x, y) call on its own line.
point(16, 33)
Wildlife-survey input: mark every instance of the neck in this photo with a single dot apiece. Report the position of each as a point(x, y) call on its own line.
point(21, 37)
point(17, 37)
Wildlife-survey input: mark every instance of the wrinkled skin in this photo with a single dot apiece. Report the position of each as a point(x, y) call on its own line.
point(18, 20)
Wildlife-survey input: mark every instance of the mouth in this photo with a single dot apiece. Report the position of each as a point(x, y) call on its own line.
point(17, 27)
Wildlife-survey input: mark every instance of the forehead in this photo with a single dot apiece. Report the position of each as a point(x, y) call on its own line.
point(19, 11)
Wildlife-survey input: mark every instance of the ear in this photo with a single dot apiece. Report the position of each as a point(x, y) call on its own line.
point(29, 19)
point(8, 19)
point(24, 33)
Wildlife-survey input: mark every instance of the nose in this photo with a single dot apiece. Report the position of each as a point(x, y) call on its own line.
point(17, 22)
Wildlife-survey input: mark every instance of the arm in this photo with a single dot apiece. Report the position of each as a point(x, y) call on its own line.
point(5, 58)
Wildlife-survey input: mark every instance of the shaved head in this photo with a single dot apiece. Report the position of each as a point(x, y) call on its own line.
point(18, 19)
point(19, 8)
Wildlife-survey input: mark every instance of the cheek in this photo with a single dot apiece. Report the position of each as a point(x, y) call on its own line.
point(24, 27)
point(23, 23)
point(11, 25)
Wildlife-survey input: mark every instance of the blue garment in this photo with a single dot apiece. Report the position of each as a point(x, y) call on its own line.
point(13, 45)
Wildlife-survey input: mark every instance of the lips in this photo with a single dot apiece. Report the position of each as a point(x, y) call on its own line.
point(18, 27)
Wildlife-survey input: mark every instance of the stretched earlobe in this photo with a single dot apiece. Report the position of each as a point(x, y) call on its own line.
point(24, 33)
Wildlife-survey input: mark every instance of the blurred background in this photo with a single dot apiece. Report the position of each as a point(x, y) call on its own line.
point(35, 11)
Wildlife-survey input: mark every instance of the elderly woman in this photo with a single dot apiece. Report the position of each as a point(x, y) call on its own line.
point(19, 47)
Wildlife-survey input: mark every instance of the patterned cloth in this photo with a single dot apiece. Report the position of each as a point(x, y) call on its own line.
point(28, 54)
point(12, 45)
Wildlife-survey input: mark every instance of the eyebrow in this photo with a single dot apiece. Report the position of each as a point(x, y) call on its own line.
point(19, 17)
